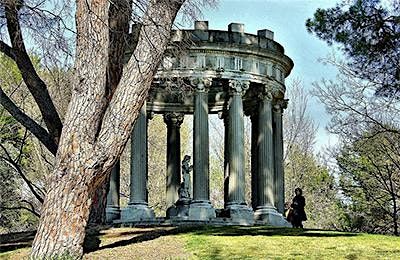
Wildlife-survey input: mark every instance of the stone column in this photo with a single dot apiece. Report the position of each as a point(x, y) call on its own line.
point(226, 158)
point(278, 153)
point(138, 209)
point(173, 121)
point(266, 211)
point(112, 208)
point(201, 208)
point(254, 154)
point(236, 205)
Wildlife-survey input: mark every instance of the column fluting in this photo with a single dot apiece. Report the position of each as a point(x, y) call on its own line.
point(266, 176)
point(265, 160)
point(138, 185)
point(201, 190)
point(138, 209)
point(236, 192)
point(173, 121)
point(278, 153)
point(254, 158)
point(200, 208)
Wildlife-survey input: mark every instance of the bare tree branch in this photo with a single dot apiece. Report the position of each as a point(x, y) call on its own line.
point(35, 84)
point(18, 169)
point(7, 50)
point(31, 209)
point(28, 122)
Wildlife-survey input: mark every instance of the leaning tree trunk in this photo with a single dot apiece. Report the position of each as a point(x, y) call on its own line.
point(98, 122)
point(61, 230)
point(97, 214)
point(119, 17)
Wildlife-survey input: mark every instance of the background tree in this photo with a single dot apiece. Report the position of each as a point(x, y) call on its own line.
point(24, 163)
point(363, 102)
point(30, 163)
point(368, 129)
point(305, 169)
point(369, 171)
point(20, 196)
point(368, 32)
point(353, 105)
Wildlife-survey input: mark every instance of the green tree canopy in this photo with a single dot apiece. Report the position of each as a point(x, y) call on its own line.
point(368, 32)
point(369, 172)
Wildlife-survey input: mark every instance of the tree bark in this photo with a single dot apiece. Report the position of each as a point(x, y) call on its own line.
point(64, 215)
point(97, 214)
point(119, 17)
point(97, 126)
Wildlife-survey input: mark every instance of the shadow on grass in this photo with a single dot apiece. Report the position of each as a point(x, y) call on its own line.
point(270, 231)
point(93, 242)
point(13, 241)
point(17, 240)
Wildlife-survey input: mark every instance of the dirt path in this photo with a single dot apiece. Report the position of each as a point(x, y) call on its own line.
point(116, 244)
point(140, 243)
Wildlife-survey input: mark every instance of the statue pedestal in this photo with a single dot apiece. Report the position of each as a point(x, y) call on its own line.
point(201, 210)
point(182, 208)
point(137, 212)
point(270, 216)
point(240, 214)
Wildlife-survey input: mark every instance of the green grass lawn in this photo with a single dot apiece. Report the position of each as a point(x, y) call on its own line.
point(262, 243)
point(231, 243)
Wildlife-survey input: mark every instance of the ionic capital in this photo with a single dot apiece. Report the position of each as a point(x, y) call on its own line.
point(265, 93)
point(280, 105)
point(174, 119)
point(238, 87)
point(201, 84)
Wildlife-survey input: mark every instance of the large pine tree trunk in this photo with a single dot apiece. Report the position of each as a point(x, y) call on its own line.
point(62, 230)
point(97, 214)
point(99, 120)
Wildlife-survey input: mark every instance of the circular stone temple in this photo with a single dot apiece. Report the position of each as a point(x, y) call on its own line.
point(233, 74)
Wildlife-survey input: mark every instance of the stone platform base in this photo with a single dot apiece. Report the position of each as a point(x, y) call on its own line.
point(112, 213)
point(200, 215)
point(175, 222)
point(271, 217)
point(137, 212)
point(202, 211)
point(240, 214)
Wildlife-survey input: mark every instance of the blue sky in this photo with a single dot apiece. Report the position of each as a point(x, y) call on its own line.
point(286, 18)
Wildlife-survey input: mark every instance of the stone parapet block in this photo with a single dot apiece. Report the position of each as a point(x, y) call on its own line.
point(236, 27)
point(201, 25)
point(265, 34)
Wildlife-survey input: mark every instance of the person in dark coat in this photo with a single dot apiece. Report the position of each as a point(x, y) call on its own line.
point(298, 214)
